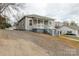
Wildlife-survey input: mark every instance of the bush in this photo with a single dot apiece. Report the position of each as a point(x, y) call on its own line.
point(69, 33)
point(3, 23)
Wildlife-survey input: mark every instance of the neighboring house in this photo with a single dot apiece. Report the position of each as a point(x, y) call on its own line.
point(69, 29)
point(37, 23)
point(58, 24)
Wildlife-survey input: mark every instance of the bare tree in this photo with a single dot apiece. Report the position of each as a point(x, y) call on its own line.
point(66, 23)
point(15, 6)
point(73, 23)
point(9, 9)
point(3, 6)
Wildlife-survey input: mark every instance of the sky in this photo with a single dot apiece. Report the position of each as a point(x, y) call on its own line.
point(59, 11)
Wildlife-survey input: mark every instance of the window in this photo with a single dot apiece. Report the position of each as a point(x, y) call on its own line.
point(30, 22)
point(50, 23)
point(34, 21)
point(39, 21)
point(46, 22)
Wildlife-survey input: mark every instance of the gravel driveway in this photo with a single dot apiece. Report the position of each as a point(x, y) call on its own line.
point(29, 43)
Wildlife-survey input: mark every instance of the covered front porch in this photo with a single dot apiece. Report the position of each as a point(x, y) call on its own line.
point(38, 24)
point(41, 25)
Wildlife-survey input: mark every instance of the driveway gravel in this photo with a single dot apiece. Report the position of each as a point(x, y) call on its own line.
point(30, 43)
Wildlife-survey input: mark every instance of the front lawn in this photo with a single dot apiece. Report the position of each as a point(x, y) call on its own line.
point(67, 39)
point(73, 37)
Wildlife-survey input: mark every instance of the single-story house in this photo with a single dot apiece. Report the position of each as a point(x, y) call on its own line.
point(73, 30)
point(37, 23)
point(45, 24)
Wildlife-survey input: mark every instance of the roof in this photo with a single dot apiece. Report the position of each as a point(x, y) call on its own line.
point(40, 17)
point(72, 27)
point(37, 17)
point(21, 19)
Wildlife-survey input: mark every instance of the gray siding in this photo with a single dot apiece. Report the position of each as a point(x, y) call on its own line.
point(21, 25)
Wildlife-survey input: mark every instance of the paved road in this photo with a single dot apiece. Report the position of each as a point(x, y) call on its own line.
point(44, 44)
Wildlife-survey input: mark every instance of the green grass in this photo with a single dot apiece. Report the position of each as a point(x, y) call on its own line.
point(74, 37)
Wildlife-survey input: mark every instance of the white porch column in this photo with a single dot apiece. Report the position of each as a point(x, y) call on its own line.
point(59, 33)
point(32, 23)
point(37, 22)
point(48, 23)
point(43, 24)
point(53, 34)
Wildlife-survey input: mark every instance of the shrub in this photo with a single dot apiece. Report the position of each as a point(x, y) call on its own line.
point(3, 23)
point(69, 33)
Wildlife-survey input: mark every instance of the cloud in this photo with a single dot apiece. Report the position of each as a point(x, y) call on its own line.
point(36, 8)
point(59, 11)
point(64, 11)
